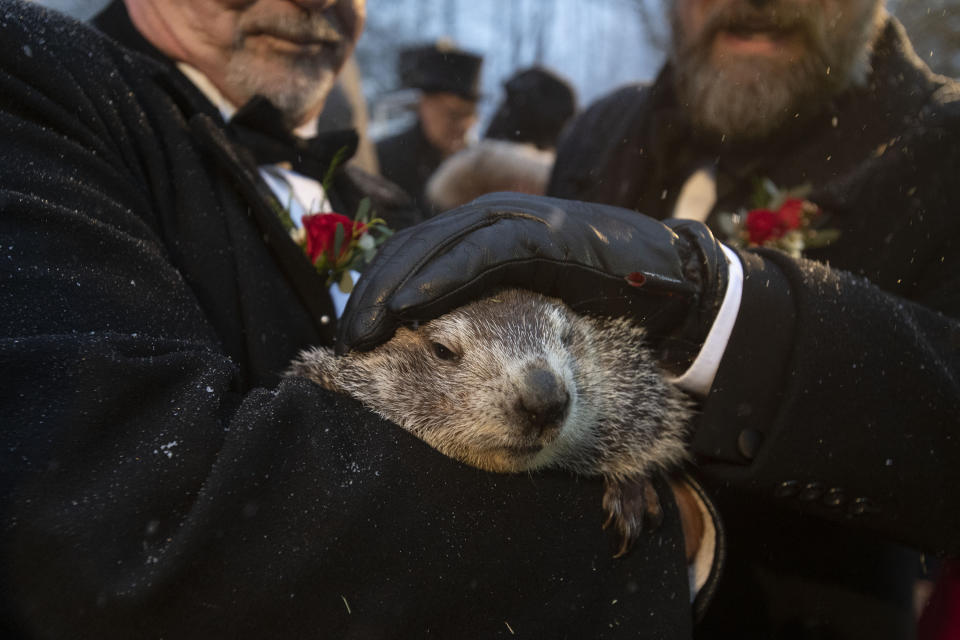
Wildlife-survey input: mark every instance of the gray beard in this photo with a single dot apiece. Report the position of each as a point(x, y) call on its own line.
point(296, 85)
point(295, 93)
point(749, 99)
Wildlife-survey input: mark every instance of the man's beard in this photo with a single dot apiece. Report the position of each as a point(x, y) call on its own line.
point(296, 84)
point(296, 92)
point(749, 97)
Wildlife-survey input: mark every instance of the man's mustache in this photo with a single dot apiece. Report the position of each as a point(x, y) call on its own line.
point(316, 27)
point(744, 17)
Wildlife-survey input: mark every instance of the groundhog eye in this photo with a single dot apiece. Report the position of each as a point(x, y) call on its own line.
point(443, 352)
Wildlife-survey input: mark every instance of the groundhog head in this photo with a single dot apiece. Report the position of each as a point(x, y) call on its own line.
point(516, 382)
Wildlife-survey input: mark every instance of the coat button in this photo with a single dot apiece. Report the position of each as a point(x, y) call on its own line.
point(324, 319)
point(748, 443)
point(811, 491)
point(861, 506)
point(787, 489)
point(834, 497)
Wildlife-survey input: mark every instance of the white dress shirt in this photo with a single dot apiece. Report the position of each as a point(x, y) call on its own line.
point(297, 193)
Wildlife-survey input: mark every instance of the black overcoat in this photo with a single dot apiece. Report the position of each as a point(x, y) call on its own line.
point(160, 479)
point(408, 159)
point(839, 393)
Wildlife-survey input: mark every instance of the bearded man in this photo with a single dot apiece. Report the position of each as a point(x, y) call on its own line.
point(160, 477)
point(824, 100)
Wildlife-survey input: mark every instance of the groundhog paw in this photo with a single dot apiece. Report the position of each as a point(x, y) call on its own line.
point(632, 505)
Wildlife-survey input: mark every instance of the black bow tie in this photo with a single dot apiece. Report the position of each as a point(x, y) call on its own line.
point(258, 127)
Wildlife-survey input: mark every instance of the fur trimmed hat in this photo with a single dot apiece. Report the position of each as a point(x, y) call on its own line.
point(441, 67)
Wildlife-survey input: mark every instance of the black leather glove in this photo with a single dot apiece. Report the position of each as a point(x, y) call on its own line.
point(596, 258)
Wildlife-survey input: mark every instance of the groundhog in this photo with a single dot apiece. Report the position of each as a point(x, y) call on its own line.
point(517, 382)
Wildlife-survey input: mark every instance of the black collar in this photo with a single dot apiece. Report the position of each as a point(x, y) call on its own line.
point(258, 128)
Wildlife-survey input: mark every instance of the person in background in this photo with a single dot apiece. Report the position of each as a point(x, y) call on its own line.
point(160, 476)
point(449, 81)
point(346, 107)
point(517, 150)
point(811, 130)
point(537, 105)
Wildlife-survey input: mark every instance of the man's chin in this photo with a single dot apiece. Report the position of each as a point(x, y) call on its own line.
point(298, 93)
point(746, 97)
point(741, 106)
point(748, 66)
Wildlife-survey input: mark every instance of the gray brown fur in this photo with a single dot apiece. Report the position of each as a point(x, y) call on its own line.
point(521, 383)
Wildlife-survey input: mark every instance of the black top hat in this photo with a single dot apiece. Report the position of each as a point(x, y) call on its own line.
point(537, 106)
point(439, 68)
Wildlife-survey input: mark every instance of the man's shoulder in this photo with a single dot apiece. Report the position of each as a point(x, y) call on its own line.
point(389, 150)
point(71, 65)
point(615, 106)
point(35, 36)
point(588, 141)
point(398, 140)
point(630, 94)
point(399, 155)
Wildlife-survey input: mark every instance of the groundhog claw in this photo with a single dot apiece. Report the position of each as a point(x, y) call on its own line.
point(632, 505)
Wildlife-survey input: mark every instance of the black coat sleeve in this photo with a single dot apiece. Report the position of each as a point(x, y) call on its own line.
point(839, 393)
point(148, 493)
point(840, 397)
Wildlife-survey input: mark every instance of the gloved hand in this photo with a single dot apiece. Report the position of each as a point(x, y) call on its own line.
point(598, 259)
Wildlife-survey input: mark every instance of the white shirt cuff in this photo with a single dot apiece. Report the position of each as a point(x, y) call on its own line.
point(702, 564)
point(699, 377)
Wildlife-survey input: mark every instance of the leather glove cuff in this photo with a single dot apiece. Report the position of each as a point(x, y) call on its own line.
point(704, 265)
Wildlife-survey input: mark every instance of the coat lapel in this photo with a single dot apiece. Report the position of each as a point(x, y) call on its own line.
point(262, 206)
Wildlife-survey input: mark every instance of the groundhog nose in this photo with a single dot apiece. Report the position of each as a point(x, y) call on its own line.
point(542, 404)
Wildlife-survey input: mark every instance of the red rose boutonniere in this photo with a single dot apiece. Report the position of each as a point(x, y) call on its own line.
point(336, 244)
point(781, 219)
